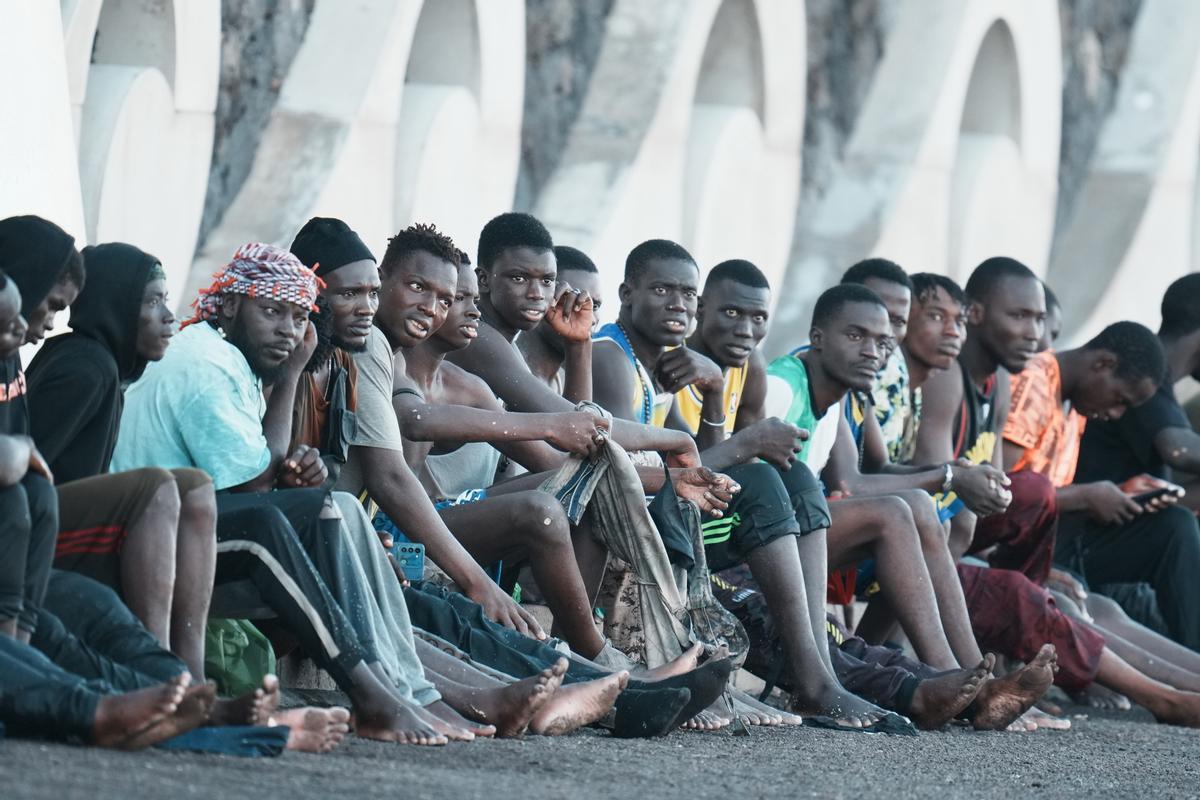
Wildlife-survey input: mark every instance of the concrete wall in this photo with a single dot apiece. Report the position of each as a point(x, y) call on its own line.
point(801, 135)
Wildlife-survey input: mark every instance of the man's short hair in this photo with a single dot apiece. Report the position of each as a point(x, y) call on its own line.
point(880, 269)
point(926, 284)
point(832, 301)
point(737, 270)
point(512, 229)
point(574, 258)
point(464, 260)
point(1051, 298)
point(1139, 352)
point(1181, 307)
point(990, 272)
point(418, 238)
point(636, 261)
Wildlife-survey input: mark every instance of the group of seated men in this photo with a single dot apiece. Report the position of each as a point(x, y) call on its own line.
point(682, 506)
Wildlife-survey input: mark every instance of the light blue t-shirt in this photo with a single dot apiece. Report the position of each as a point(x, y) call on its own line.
point(201, 406)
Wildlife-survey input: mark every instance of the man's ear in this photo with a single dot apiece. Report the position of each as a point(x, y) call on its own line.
point(814, 337)
point(482, 276)
point(975, 313)
point(624, 292)
point(1103, 361)
point(699, 309)
point(229, 306)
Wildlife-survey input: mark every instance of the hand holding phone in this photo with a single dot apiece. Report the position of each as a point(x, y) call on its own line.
point(410, 558)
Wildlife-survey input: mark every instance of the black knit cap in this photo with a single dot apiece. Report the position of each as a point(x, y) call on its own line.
point(325, 244)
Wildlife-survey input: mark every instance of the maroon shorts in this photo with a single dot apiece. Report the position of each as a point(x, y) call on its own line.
point(1013, 616)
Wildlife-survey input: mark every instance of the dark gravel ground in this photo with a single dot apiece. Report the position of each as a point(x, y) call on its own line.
point(1105, 755)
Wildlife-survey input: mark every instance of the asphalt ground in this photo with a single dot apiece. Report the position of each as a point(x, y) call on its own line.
point(1106, 754)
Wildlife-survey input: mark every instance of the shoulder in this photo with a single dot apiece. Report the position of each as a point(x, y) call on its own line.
point(464, 388)
point(72, 359)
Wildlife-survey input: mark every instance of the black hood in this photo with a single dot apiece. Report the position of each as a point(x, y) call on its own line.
point(34, 253)
point(107, 309)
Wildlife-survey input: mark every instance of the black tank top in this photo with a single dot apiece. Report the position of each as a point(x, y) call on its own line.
point(975, 433)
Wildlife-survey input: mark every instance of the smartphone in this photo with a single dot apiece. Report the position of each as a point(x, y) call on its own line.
point(410, 556)
point(1154, 494)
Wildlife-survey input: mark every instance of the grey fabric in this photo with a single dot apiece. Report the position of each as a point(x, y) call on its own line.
point(471, 466)
point(387, 616)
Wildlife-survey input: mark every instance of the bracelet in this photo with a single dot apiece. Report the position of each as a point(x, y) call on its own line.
point(720, 424)
point(948, 478)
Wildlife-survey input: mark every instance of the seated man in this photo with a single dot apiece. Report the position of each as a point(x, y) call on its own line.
point(28, 513)
point(776, 523)
point(203, 405)
point(157, 543)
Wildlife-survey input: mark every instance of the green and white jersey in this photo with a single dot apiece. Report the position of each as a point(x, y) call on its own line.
point(789, 397)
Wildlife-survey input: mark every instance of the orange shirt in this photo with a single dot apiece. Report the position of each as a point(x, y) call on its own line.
point(1037, 423)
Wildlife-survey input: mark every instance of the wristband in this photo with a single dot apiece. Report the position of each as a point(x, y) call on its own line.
point(948, 479)
point(720, 424)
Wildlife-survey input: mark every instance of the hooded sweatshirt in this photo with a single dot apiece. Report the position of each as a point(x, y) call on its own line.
point(33, 253)
point(76, 380)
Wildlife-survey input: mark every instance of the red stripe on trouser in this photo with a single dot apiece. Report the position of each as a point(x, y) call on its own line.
point(101, 539)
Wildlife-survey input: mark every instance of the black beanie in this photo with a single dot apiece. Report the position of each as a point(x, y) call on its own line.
point(34, 253)
point(325, 244)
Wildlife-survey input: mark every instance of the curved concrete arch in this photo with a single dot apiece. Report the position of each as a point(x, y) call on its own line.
point(341, 141)
point(1134, 229)
point(145, 121)
point(893, 195)
point(660, 157)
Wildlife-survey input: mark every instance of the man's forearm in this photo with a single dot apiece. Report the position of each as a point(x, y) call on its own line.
point(577, 369)
point(712, 422)
point(635, 436)
point(737, 449)
point(277, 422)
point(1074, 497)
point(450, 423)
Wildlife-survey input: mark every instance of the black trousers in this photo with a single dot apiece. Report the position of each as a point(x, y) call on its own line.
point(1161, 549)
point(257, 541)
point(84, 628)
point(28, 531)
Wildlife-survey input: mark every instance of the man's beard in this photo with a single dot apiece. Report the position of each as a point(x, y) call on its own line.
point(349, 347)
point(269, 374)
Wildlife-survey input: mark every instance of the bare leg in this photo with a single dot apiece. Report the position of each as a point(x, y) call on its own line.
point(533, 525)
point(882, 528)
point(776, 568)
point(1151, 665)
point(947, 588)
point(962, 532)
point(148, 563)
point(1113, 619)
point(195, 566)
point(590, 556)
point(8, 627)
point(1167, 704)
point(813, 550)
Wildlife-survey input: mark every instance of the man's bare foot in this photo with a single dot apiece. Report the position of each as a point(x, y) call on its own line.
point(251, 708)
point(398, 722)
point(455, 726)
point(577, 704)
point(844, 708)
point(1040, 719)
point(511, 708)
point(712, 718)
point(191, 712)
point(1002, 700)
point(1097, 696)
point(939, 700)
point(684, 663)
point(755, 712)
point(120, 716)
point(313, 730)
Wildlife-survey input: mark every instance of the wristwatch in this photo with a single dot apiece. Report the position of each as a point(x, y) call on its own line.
point(948, 478)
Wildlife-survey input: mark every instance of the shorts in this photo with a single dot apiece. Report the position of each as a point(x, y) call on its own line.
point(384, 524)
point(771, 504)
point(95, 514)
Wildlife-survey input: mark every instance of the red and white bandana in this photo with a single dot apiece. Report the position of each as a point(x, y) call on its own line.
point(260, 270)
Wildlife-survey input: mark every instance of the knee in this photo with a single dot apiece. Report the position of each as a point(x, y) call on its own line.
point(541, 515)
point(924, 512)
point(894, 517)
point(798, 479)
point(198, 501)
point(1033, 491)
point(1182, 532)
point(39, 494)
